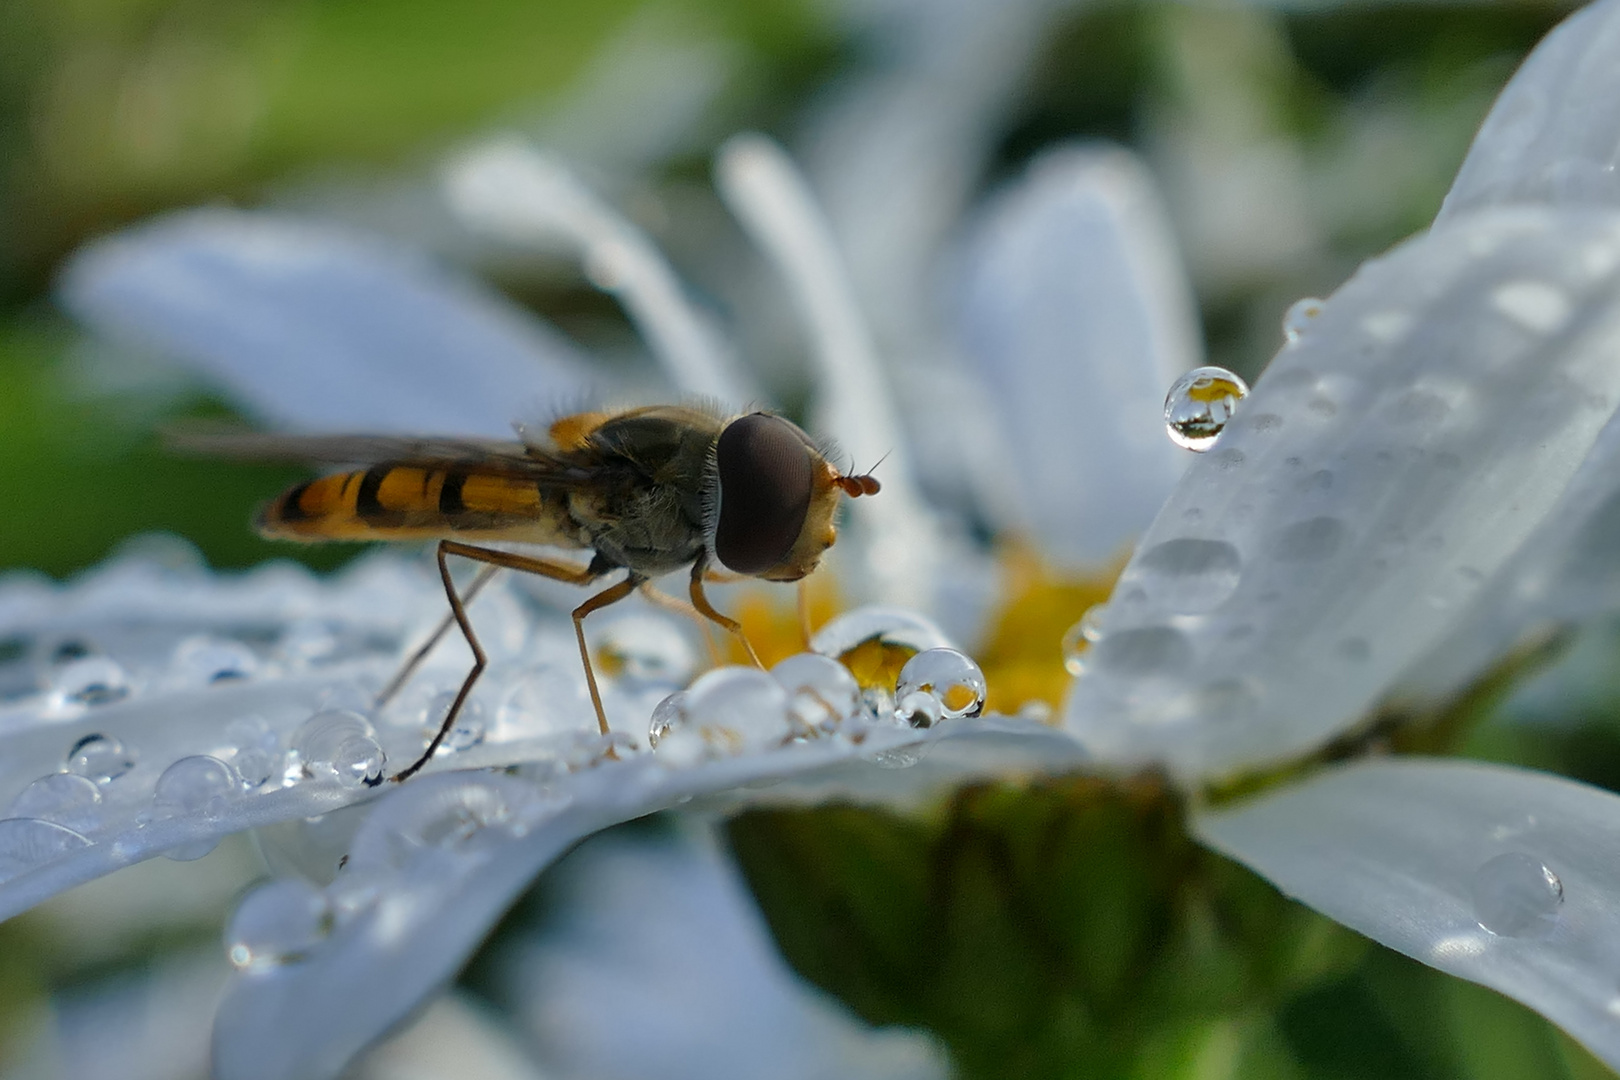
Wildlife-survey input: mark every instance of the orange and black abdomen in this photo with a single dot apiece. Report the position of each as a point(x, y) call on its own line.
point(407, 502)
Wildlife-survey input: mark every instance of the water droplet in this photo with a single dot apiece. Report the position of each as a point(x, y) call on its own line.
point(667, 715)
point(1515, 895)
point(821, 691)
point(950, 676)
point(91, 680)
point(62, 799)
point(1198, 575)
point(27, 843)
point(1199, 405)
point(461, 817)
point(1147, 650)
point(197, 784)
point(204, 660)
point(101, 758)
point(548, 698)
point(469, 728)
point(277, 923)
point(739, 708)
point(902, 757)
point(1079, 638)
point(1266, 422)
point(258, 754)
point(1311, 540)
point(919, 708)
point(1534, 305)
point(1298, 318)
point(338, 745)
point(644, 649)
point(892, 626)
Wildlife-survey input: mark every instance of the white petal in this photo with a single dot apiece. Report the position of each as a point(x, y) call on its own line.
point(441, 857)
point(1079, 317)
point(1553, 136)
point(666, 933)
point(512, 190)
point(1387, 464)
point(1419, 854)
point(853, 401)
point(308, 328)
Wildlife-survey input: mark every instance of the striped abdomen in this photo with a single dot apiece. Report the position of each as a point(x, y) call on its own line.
point(406, 502)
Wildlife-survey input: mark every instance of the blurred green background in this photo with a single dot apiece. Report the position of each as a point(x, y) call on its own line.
point(111, 110)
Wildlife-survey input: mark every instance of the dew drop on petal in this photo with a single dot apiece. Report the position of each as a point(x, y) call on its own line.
point(891, 626)
point(1074, 645)
point(1199, 405)
point(62, 799)
point(1144, 651)
point(196, 784)
point(337, 744)
point(462, 818)
point(91, 680)
point(739, 705)
point(902, 757)
point(1298, 318)
point(469, 729)
point(27, 843)
point(952, 677)
point(1199, 575)
point(919, 709)
point(821, 692)
point(644, 649)
point(101, 758)
point(277, 923)
point(202, 660)
point(258, 750)
point(1516, 895)
point(667, 715)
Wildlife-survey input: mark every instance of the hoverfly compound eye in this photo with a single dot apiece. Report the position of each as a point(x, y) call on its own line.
point(765, 469)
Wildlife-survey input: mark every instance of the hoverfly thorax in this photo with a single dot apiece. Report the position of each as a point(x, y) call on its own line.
point(771, 497)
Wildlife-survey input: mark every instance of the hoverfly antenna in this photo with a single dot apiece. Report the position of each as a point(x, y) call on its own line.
point(862, 484)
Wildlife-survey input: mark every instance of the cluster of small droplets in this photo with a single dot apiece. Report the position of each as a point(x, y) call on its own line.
point(336, 744)
point(1200, 404)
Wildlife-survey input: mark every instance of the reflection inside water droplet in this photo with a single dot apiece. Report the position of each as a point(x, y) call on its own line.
point(1200, 404)
point(667, 715)
point(1516, 895)
point(277, 923)
point(919, 709)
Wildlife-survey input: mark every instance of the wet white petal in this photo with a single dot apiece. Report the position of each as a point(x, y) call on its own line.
point(309, 328)
point(666, 932)
point(1078, 316)
point(512, 190)
point(1554, 134)
point(440, 858)
point(854, 404)
point(456, 1036)
point(1425, 855)
point(1387, 464)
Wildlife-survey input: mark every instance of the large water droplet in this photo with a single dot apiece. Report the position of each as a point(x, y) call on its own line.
point(91, 680)
point(950, 676)
point(277, 923)
point(203, 660)
point(196, 785)
point(667, 715)
point(339, 745)
point(821, 691)
point(892, 626)
point(62, 799)
point(1516, 895)
point(644, 649)
point(1298, 318)
point(739, 708)
point(101, 758)
point(1197, 575)
point(27, 843)
point(1199, 405)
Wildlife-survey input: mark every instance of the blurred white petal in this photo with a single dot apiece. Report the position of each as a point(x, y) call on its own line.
point(665, 932)
point(1423, 856)
point(1387, 465)
point(308, 328)
point(853, 402)
point(1554, 134)
point(510, 189)
point(1078, 315)
point(456, 1037)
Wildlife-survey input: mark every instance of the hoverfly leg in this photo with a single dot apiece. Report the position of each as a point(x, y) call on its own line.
point(415, 661)
point(701, 602)
point(681, 607)
point(600, 600)
point(557, 571)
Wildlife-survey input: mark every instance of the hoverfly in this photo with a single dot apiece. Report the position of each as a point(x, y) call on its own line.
point(647, 491)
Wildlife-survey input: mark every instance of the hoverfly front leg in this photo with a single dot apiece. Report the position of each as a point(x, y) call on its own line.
point(556, 570)
point(681, 607)
point(600, 600)
point(701, 602)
